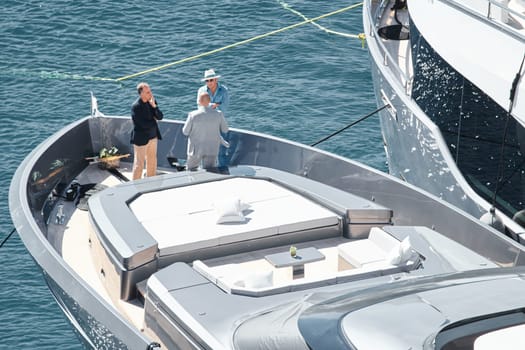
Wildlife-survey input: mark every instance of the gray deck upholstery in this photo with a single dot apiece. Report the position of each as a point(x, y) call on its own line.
point(163, 219)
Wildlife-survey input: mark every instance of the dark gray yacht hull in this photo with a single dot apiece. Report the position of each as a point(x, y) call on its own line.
point(57, 161)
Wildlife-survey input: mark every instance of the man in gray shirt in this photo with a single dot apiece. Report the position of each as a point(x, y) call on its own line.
point(203, 128)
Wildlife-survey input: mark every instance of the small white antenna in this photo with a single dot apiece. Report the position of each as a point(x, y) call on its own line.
point(94, 105)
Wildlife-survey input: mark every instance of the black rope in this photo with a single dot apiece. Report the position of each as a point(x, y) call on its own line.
point(9, 235)
point(348, 126)
point(118, 174)
point(515, 84)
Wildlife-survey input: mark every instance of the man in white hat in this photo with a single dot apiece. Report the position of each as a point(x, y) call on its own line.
point(219, 101)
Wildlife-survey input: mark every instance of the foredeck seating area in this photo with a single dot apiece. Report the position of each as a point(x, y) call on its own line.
point(199, 215)
point(378, 255)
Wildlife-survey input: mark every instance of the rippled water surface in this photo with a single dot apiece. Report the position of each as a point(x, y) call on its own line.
point(301, 84)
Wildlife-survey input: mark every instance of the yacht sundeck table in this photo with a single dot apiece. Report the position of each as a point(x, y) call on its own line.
point(303, 256)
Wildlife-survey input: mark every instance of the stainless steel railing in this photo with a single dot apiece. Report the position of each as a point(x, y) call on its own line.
point(496, 13)
point(388, 59)
point(493, 12)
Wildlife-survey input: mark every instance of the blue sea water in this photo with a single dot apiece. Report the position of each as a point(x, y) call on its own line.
point(301, 84)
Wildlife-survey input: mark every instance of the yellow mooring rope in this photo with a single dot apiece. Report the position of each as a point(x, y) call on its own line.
point(257, 37)
point(360, 36)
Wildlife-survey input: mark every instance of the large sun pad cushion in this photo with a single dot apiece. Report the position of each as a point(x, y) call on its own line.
point(185, 218)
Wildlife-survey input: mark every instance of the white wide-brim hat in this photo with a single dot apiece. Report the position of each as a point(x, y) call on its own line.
point(210, 74)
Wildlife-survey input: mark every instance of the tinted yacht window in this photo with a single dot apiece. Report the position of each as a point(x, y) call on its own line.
point(473, 126)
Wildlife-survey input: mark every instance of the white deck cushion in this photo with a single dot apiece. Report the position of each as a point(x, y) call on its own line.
point(365, 251)
point(382, 239)
point(229, 210)
point(256, 280)
point(401, 253)
point(236, 280)
point(185, 218)
point(361, 252)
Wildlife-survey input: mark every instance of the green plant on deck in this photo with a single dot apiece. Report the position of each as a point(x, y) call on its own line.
point(108, 152)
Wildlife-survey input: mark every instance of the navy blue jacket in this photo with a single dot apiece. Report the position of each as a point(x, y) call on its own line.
point(145, 125)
